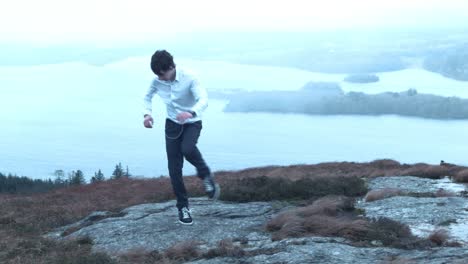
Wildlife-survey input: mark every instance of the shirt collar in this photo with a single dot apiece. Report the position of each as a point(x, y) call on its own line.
point(177, 76)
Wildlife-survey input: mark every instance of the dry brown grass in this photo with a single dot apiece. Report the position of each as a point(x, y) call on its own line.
point(326, 216)
point(142, 255)
point(183, 251)
point(23, 218)
point(444, 193)
point(383, 193)
point(28, 250)
point(378, 194)
point(376, 168)
point(180, 252)
point(428, 171)
point(225, 248)
point(439, 236)
point(335, 216)
point(38, 212)
point(330, 205)
point(264, 188)
point(461, 176)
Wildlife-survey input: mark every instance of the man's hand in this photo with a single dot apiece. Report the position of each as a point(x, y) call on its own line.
point(148, 121)
point(183, 116)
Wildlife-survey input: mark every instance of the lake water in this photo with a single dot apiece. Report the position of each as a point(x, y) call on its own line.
point(75, 116)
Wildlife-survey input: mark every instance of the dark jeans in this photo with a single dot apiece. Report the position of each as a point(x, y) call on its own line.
point(177, 149)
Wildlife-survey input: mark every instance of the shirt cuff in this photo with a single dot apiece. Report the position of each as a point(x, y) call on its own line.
point(146, 113)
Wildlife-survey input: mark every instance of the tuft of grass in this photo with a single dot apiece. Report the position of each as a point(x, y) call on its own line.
point(225, 248)
point(142, 255)
point(461, 176)
point(183, 251)
point(180, 252)
point(383, 193)
point(336, 216)
point(439, 236)
point(444, 193)
point(45, 251)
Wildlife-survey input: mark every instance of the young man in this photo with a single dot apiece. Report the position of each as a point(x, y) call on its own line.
point(185, 101)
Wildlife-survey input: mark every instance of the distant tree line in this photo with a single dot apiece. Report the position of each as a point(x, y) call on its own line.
point(14, 184)
point(407, 103)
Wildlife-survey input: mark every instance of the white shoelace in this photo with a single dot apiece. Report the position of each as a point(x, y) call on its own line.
point(185, 213)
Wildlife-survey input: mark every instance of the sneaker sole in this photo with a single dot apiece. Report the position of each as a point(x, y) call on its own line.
point(186, 223)
point(216, 193)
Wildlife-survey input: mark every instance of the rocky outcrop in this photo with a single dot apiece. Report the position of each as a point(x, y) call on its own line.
point(154, 226)
point(422, 214)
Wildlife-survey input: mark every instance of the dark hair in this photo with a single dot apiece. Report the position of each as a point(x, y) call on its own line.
point(161, 61)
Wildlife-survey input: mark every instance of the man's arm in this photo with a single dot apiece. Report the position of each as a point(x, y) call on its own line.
point(147, 100)
point(200, 94)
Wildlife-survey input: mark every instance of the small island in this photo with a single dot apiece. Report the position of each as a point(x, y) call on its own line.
point(317, 102)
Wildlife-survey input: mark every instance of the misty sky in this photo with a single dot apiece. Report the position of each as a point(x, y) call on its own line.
point(60, 21)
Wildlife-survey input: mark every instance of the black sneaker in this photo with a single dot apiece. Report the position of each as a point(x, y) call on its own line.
point(212, 189)
point(184, 216)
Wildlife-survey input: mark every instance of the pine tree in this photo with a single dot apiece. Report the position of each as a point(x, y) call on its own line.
point(59, 177)
point(98, 176)
point(118, 171)
point(127, 173)
point(77, 178)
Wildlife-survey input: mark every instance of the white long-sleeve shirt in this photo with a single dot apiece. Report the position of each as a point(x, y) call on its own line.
point(183, 94)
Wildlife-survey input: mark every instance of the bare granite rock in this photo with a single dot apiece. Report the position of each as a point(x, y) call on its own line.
point(331, 251)
point(416, 184)
point(156, 226)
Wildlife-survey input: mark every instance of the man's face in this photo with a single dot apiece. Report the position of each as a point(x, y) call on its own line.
point(167, 75)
